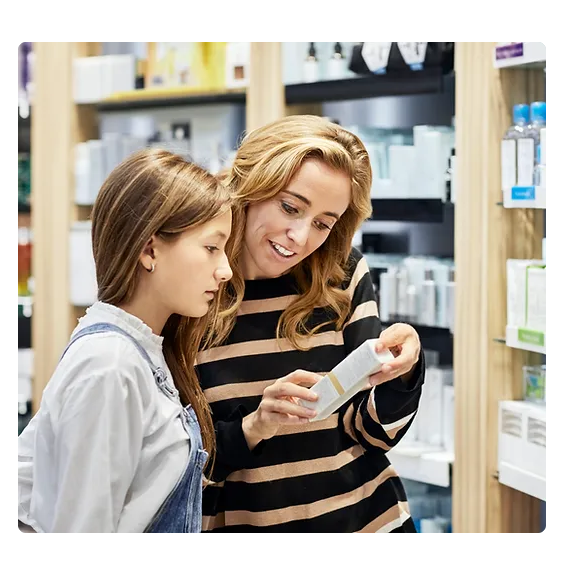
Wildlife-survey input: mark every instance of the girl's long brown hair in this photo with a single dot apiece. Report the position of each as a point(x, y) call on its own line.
point(156, 192)
point(265, 163)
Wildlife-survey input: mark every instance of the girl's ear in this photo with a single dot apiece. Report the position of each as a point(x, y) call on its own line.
point(148, 255)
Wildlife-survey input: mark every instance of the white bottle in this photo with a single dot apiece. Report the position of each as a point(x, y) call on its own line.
point(402, 294)
point(428, 299)
point(337, 64)
point(311, 70)
point(387, 295)
point(510, 148)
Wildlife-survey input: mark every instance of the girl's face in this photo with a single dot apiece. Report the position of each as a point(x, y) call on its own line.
point(284, 230)
point(190, 269)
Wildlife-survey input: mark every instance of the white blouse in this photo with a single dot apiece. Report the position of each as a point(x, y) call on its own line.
point(106, 446)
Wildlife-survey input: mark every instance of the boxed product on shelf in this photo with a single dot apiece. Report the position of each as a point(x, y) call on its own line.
point(520, 298)
point(237, 64)
point(96, 78)
point(82, 272)
point(177, 64)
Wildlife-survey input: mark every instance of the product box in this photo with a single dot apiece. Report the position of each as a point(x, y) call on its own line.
point(517, 290)
point(237, 72)
point(536, 298)
point(176, 64)
point(346, 379)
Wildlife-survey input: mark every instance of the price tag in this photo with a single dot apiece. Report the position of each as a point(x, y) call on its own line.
point(413, 53)
point(376, 56)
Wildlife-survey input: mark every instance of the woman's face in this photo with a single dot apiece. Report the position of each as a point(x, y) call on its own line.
point(284, 230)
point(190, 269)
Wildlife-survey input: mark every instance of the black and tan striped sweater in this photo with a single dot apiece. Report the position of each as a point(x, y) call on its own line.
point(325, 476)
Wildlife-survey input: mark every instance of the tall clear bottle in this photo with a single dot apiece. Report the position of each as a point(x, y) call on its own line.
point(527, 145)
point(518, 130)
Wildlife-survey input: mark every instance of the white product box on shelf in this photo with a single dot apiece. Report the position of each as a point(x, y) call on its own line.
point(517, 289)
point(383, 188)
point(82, 274)
point(237, 64)
point(536, 298)
point(522, 447)
point(346, 379)
point(525, 197)
point(96, 78)
point(401, 166)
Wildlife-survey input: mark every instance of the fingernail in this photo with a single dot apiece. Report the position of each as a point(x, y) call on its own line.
point(386, 369)
point(313, 413)
point(379, 347)
point(314, 396)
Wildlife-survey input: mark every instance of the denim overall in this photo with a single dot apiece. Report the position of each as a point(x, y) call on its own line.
point(181, 512)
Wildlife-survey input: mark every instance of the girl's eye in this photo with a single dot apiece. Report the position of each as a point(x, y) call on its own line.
point(211, 248)
point(289, 209)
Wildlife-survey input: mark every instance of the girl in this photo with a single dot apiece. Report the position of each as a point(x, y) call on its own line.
point(123, 432)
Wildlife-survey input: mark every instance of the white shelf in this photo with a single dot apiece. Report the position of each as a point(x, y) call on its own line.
point(522, 447)
point(524, 339)
point(520, 54)
point(529, 197)
point(422, 463)
point(522, 480)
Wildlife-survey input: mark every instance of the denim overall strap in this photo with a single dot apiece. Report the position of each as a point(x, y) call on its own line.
point(158, 373)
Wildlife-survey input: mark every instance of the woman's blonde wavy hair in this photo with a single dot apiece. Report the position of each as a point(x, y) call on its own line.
point(265, 163)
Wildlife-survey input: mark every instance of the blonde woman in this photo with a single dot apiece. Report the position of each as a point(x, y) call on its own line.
point(302, 188)
point(123, 431)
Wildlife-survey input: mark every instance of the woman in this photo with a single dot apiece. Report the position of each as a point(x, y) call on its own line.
point(302, 188)
point(112, 447)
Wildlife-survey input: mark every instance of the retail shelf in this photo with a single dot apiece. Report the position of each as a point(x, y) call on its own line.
point(156, 98)
point(524, 339)
point(410, 210)
point(526, 197)
point(520, 54)
point(522, 447)
point(388, 85)
point(422, 463)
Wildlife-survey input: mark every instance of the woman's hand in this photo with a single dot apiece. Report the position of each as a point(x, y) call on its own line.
point(404, 343)
point(279, 406)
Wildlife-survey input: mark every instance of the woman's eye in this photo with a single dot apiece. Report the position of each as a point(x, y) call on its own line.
point(289, 209)
point(322, 226)
point(211, 248)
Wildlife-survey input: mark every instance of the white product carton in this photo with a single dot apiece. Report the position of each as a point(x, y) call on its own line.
point(346, 379)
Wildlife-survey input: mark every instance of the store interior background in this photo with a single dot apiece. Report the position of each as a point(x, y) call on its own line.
point(426, 244)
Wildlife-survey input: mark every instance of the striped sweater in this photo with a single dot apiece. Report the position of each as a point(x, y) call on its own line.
point(324, 476)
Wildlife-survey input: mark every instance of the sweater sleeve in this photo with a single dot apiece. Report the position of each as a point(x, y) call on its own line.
point(377, 418)
point(232, 452)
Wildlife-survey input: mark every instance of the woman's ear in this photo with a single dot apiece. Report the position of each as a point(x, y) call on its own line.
point(148, 255)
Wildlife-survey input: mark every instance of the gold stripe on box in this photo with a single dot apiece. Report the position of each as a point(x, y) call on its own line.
point(336, 384)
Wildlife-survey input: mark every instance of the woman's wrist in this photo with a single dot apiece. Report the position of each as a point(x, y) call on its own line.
point(251, 436)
